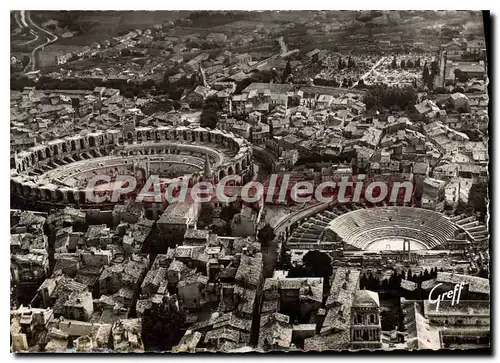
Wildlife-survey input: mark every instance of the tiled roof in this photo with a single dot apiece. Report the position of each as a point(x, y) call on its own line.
point(250, 269)
point(364, 298)
point(337, 341)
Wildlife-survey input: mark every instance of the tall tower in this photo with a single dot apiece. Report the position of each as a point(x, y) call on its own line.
point(366, 328)
point(207, 170)
point(128, 128)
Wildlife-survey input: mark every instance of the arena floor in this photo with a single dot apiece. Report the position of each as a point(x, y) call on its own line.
point(393, 244)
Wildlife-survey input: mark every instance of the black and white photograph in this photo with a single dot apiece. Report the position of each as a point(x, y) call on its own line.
point(226, 181)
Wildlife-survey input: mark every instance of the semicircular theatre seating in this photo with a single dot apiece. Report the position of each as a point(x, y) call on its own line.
point(311, 229)
point(478, 231)
point(359, 227)
point(363, 239)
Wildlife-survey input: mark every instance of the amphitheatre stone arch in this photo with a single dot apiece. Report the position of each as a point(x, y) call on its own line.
point(130, 137)
point(71, 197)
point(19, 189)
point(27, 191)
point(82, 197)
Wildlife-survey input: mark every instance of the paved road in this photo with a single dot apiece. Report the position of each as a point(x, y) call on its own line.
point(23, 18)
point(50, 38)
point(20, 18)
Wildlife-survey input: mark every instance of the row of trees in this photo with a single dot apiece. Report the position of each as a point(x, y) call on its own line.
point(209, 112)
point(208, 19)
point(287, 72)
point(342, 63)
point(128, 89)
point(314, 264)
point(74, 21)
point(461, 76)
point(162, 328)
point(428, 74)
point(381, 96)
point(207, 215)
point(18, 82)
point(393, 283)
point(266, 235)
point(345, 82)
point(409, 64)
point(161, 104)
point(175, 90)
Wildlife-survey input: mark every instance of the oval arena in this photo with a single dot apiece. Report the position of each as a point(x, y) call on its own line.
point(56, 173)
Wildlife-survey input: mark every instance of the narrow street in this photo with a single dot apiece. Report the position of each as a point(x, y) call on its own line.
point(37, 31)
point(370, 71)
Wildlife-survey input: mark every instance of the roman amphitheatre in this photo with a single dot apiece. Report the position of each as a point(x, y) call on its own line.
point(55, 174)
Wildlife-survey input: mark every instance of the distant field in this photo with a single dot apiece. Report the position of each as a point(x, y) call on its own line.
point(48, 54)
point(108, 23)
point(240, 24)
point(353, 35)
point(106, 26)
point(283, 16)
point(82, 64)
point(262, 19)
